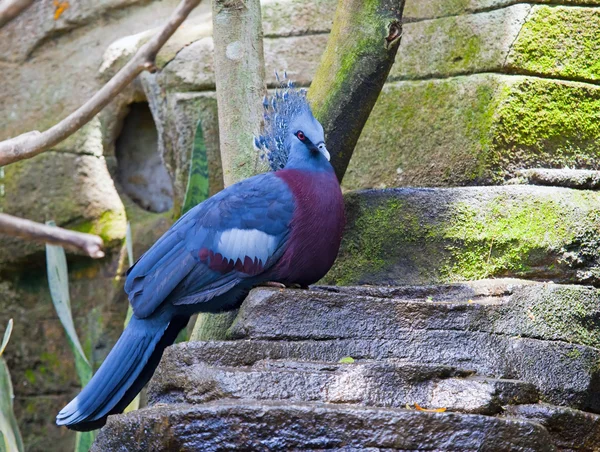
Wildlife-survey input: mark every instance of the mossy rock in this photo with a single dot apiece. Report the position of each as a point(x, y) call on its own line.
point(559, 42)
point(478, 129)
point(428, 9)
point(424, 236)
point(76, 191)
point(458, 44)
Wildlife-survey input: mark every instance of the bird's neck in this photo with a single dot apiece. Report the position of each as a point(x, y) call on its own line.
point(315, 163)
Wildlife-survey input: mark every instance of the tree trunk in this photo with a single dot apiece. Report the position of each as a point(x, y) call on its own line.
point(240, 80)
point(359, 55)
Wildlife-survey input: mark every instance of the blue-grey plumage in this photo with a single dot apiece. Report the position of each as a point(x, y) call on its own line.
point(279, 226)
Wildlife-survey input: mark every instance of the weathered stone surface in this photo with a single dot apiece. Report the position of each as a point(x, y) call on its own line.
point(384, 384)
point(297, 17)
point(570, 429)
point(427, 9)
point(458, 44)
point(560, 42)
point(62, 71)
point(39, 22)
point(550, 312)
point(423, 236)
point(192, 68)
point(570, 178)
point(276, 426)
point(76, 191)
point(475, 130)
point(178, 117)
point(566, 374)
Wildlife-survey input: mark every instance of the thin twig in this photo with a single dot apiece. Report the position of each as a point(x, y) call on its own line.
point(31, 144)
point(90, 244)
point(9, 9)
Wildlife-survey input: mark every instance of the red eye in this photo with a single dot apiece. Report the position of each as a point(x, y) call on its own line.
point(301, 135)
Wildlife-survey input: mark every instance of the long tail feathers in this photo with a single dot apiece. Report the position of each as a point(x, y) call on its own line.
point(128, 367)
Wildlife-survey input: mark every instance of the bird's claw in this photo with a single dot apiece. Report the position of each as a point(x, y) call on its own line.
point(282, 286)
point(275, 284)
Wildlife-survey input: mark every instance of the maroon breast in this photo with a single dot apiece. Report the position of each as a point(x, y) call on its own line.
point(316, 228)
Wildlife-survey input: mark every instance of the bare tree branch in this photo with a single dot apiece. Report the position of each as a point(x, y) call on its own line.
point(9, 9)
point(90, 244)
point(31, 144)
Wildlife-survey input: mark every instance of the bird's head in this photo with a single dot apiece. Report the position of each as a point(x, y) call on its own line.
point(292, 137)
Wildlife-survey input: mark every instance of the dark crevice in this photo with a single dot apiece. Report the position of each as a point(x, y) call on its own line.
point(140, 169)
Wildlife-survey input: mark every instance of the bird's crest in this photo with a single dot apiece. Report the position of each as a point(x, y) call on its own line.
point(280, 110)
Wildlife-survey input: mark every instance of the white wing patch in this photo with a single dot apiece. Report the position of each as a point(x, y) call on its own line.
point(238, 243)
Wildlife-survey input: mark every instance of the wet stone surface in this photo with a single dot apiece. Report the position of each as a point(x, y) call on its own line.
point(507, 368)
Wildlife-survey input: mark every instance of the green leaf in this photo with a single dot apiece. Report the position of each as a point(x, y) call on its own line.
point(197, 188)
point(11, 437)
point(135, 403)
point(346, 360)
point(6, 338)
point(84, 441)
point(58, 282)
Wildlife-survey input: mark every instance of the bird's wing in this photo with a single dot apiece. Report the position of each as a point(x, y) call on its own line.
point(238, 233)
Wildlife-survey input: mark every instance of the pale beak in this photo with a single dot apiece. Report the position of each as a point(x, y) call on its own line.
point(323, 150)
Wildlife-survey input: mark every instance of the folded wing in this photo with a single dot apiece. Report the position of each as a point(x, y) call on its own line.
point(235, 235)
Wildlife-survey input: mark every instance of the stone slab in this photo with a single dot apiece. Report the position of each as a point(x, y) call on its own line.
point(416, 10)
point(565, 374)
point(76, 191)
point(559, 42)
point(551, 312)
point(276, 426)
point(425, 236)
point(570, 429)
point(464, 44)
point(384, 384)
point(475, 130)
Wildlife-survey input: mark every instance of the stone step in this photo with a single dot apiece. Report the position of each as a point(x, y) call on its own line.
point(283, 426)
point(542, 334)
point(506, 307)
point(411, 236)
point(381, 384)
point(570, 429)
point(565, 374)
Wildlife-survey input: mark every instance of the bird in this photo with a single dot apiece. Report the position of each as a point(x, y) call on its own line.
point(283, 226)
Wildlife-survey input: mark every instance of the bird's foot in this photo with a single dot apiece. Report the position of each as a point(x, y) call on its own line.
point(282, 286)
point(275, 284)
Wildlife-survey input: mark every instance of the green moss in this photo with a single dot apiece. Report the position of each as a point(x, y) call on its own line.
point(366, 239)
point(30, 376)
point(440, 135)
point(475, 129)
point(110, 226)
point(435, 8)
point(559, 42)
point(419, 237)
point(503, 238)
point(565, 313)
point(546, 123)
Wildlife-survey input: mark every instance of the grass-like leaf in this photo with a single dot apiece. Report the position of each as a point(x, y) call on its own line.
point(135, 403)
point(10, 437)
point(6, 338)
point(58, 282)
point(197, 188)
